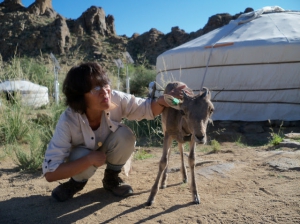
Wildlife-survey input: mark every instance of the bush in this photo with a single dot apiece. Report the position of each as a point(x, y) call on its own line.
point(276, 137)
point(33, 159)
point(25, 137)
point(24, 132)
point(14, 125)
point(148, 132)
point(140, 77)
point(28, 69)
point(215, 146)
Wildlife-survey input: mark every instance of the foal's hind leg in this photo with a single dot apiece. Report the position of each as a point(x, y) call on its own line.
point(162, 166)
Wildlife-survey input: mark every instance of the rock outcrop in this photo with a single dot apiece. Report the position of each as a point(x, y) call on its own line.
point(57, 36)
point(38, 28)
point(219, 20)
point(152, 43)
point(40, 7)
point(94, 20)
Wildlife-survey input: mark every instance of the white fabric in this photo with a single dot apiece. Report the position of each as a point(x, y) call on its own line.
point(259, 66)
point(73, 128)
point(247, 17)
point(32, 95)
point(102, 132)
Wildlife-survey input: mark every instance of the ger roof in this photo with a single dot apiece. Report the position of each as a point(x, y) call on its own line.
point(268, 35)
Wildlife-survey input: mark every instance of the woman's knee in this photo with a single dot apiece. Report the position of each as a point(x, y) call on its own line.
point(125, 133)
point(119, 145)
point(77, 153)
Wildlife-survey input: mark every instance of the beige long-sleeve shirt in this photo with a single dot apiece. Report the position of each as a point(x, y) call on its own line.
point(73, 128)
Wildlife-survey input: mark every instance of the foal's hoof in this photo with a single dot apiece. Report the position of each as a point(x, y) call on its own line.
point(197, 200)
point(149, 203)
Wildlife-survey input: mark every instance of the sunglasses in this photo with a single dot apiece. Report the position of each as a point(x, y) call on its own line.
point(97, 89)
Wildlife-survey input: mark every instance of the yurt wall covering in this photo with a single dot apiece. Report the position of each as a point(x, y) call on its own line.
point(251, 66)
point(32, 94)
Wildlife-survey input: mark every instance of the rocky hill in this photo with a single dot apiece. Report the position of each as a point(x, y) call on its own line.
point(39, 29)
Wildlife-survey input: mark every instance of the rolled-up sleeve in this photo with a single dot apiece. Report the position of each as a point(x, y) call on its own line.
point(136, 108)
point(59, 147)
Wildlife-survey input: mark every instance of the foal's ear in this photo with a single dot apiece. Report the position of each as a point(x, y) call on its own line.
point(173, 102)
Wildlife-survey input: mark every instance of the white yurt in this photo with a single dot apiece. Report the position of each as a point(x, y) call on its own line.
point(32, 95)
point(251, 66)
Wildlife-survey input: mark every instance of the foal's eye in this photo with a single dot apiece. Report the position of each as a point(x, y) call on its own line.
point(211, 110)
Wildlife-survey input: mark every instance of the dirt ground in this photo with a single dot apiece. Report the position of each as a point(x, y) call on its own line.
point(239, 184)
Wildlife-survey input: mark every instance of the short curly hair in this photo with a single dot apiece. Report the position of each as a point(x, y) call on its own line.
point(80, 80)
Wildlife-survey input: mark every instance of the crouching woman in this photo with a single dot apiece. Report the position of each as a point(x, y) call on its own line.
point(89, 133)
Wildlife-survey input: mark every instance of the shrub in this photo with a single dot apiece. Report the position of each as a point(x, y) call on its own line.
point(32, 160)
point(140, 79)
point(148, 132)
point(276, 137)
point(31, 69)
point(215, 146)
point(14, 125)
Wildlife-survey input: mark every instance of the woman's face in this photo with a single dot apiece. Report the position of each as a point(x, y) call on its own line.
point(98, 98)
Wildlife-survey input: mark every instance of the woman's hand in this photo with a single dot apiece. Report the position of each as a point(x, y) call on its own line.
point(72, 168)
point(96, 158)
point(159, 104)
point(177, 92)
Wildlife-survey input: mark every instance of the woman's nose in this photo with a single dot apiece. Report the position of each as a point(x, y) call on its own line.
point(104, 91)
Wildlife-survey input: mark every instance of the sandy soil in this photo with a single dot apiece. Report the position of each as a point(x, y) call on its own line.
point(236, 185)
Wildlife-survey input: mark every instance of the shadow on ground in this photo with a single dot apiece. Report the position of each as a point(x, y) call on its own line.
point(22, 209)
point(249, 133)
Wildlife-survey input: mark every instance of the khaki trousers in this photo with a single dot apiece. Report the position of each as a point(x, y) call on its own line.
point(118, 148)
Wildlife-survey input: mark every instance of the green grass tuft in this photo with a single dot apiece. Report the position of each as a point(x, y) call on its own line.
point(276, 137)
point(142, 154)
point(215, 146)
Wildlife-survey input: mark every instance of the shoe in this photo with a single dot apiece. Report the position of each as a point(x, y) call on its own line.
point(112, 182)
point(67, 190)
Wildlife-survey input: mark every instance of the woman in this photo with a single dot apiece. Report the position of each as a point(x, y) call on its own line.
point(89, 133)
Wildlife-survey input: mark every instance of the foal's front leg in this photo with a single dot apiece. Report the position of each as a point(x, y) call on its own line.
point(162, 166)
point(165, 173)
point(192, 159)
point(183, 168)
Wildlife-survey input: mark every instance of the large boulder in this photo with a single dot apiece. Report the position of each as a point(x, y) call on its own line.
point(222, 19)
point(152, 43)
point(39, 7)
point(93, 19)
point(57, 36)
point(110, 23)
point(217, 21)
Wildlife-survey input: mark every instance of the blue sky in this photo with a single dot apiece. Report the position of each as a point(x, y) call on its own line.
point(139, 16)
